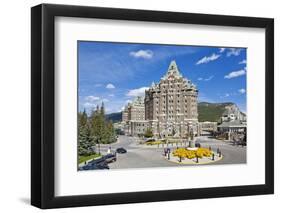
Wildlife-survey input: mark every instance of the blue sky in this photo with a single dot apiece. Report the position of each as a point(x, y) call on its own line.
point(116, 73)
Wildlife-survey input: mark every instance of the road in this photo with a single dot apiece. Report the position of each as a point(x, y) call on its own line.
point(140, 156)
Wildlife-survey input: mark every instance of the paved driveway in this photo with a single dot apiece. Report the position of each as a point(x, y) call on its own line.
point(139, 156)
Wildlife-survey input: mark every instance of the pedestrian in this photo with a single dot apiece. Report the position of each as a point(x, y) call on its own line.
point(109, 150)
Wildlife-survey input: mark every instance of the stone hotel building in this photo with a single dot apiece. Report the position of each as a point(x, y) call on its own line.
point(133, 117)
point(169, 107)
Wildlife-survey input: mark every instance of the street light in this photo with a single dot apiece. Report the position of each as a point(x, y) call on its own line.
point(99, 145)
point(169, 154)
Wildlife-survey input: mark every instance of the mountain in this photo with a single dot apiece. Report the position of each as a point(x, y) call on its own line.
point(213, 111)
point(114, 117)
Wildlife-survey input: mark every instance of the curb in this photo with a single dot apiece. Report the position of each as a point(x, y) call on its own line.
point(193, 163)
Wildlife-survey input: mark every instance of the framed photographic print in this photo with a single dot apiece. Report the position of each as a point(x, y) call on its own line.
point(139, 106)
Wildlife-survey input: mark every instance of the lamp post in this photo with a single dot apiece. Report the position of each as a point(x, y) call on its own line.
point(169, 154)
point(99, 145)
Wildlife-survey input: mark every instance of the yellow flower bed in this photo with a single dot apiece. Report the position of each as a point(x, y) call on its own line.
point(190, 154)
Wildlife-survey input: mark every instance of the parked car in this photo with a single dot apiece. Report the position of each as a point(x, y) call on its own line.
point(97, 161)
point(103, 165)
point(109, 158)
point(95, 165)
point(121, 150)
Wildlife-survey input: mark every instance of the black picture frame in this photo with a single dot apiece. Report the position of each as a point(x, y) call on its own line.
point(43, 102)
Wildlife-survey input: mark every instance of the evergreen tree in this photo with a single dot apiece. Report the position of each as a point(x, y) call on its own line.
point(94, 130)
point(102, 131)
point(102, 109)
point(85, 141)
point(97, 125)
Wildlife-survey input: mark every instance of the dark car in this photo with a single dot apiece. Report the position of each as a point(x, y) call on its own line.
point(101, 166)
point(97, 161)
point(109, 158)
point(121, 150)
point(95, 165)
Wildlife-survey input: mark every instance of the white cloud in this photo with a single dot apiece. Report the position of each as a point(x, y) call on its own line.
point(233, 51)
point(243, 62)
point(227, 95)
point(222, 50)
point(104, 100)
point(137, 92)
point(111, 95)
point(92, 98)
point(91, 102)
point(242, 90)
point(206, 79)
point(146, 54)
point(235, 74)
point(209, 78)
point(88, 105)
point(207, 59)
point(110, 86)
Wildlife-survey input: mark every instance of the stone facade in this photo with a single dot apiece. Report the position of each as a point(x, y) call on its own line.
point(136, 110)
point(169, 107)
point(125, 115)
point(133, 117)
point(208, 126)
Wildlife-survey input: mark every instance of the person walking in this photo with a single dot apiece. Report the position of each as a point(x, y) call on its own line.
point(109, 150)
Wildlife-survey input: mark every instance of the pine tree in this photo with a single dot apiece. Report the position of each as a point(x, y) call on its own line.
point(102, 131)
point(85, 140)
point(102, 109)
